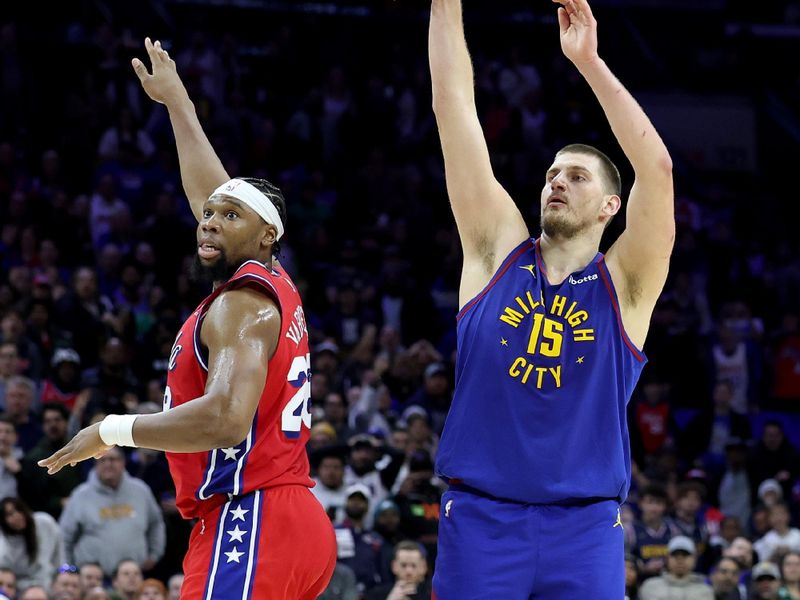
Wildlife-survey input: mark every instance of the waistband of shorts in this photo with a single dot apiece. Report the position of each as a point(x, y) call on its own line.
point(458, 485)
point(217, 500)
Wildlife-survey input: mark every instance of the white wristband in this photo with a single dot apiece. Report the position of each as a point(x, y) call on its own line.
point(117, 430)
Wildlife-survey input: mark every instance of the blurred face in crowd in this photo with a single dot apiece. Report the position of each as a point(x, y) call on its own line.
point(67, 586)
point(680, 563)
point(335, 411)
point(174, 588)
point(725, 577)
point(574, 196)
point(35, 592)
point(8, 582)
point(8, 438)
point(723, 392)
point(740, 549)
point(399, 439)
point(85, 283)
point(54, 425)
point(730, 529)
point(779, 517)
point(15, 518)
point(9, 357)
point(12, 326)
point(772, 437)
point(791, 568)
point(91, 576)
point(410, 566)
point(689, 503)
point(387, 520)
point(436, 384)
point(356, 506)
point(331, 472)
point(129, 577)
point(18, 400)
point(652, 508)
point(362, 458)
point(151, 592)
point(766, 588)
point(110, 467)
point(114, 354)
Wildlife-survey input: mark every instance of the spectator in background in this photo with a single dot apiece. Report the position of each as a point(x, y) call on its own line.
point(725, 579)
point(708, 433)
point(91, 576)
point(364, 454)
point(785, 355)
point(64, 384)
point(686, 519)
point(9, 358)
point(30, 543)
point(631, 577)
point(10, 465)
point(650, 535)
point(434, 395)
point(335, 413)
point(66, 583)
point(152, 589)
point(113, 516)
point(654, 425)
point(419, 499)
point(49, 493)
point(781, 538)
point(35, 592)
point(678, 580)
point(29, 360)
point(330, 489)
point(343, 585)
point(20, 395)
point(126, 580)
point(410, 569)
point(113, 385)
point(735, 486)
point(774, 457)
point(766, 582)
point(8, 582)
point(790, 569)
point(174, 586)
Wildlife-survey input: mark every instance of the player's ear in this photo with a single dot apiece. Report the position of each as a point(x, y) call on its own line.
point(611, 205)
point(270, 236)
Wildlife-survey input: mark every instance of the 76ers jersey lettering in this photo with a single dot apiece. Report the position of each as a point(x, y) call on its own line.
point(273, 453)
point(543, 376)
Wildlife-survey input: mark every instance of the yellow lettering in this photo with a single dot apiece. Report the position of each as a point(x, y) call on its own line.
point(514, 371)
point(578, 318)
point(556, 375)
point(583, 335)
point(537, 328)
point(512, 317)
point(558, 305)
point(523, 305)
point(527, 373)
point(531, 301)
point(552, 331)
point(571, 308)
point(540, 371)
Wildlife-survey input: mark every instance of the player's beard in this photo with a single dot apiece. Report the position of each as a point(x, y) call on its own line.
point(560, 226)
point(219, 271)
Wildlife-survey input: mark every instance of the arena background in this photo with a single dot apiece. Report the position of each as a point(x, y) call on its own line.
point(331, 101)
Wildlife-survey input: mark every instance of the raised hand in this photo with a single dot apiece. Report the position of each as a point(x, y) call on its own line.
point(164, 85)
point(578, 31)
point(86, 444)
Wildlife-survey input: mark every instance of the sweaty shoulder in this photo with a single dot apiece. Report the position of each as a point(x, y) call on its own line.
point(240, 313)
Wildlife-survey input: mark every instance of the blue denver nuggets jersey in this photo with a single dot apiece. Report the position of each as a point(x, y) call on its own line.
point(543, 376)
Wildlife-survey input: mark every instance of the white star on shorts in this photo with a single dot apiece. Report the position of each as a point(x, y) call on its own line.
point(233, 555)
point(230, 453)
point(239, 513)
point(236, 535)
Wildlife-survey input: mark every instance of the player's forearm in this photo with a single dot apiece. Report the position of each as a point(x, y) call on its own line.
point(635, 133)
point(451, 67)
point(201, 170)
point(196, 426)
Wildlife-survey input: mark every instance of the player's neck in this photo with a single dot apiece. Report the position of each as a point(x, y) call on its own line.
point(564, 256)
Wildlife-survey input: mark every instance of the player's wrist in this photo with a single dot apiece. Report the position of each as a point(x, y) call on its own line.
point(117, 430)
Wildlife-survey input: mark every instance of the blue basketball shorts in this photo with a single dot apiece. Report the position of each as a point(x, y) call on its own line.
point(491, 548)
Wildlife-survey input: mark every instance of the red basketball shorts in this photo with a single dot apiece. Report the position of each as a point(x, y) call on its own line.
point(274, 544)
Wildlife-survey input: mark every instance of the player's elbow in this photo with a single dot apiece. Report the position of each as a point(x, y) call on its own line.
point(664, 164)
point(232, 432)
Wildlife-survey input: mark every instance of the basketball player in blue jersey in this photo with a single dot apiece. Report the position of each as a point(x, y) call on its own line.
point(550, 337)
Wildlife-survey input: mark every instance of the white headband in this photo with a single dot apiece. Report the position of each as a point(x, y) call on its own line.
point(254, 198)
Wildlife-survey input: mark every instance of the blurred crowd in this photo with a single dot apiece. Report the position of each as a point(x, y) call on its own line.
point(96, 236)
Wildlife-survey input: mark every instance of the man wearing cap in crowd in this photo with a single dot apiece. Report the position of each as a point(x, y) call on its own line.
point(358, 546)
point(364, 454)
point(435, 395)
point(766, 581)
point(679, 580)
point(64, 384)
point(770, 492)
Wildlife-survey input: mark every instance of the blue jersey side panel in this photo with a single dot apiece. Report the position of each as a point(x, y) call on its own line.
point(543, 376)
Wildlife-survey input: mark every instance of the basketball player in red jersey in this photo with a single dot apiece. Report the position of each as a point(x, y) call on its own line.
point(235, 420)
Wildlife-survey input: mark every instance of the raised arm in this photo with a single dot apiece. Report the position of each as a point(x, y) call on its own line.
point(201, 170)
point(489, 223)
point(639, 259)
point(241, 332)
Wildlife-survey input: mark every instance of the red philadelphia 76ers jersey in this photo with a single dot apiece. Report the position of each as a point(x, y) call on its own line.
point(273, 453)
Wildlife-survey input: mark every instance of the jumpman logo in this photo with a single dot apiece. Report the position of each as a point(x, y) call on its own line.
point(447, 508)
point(619, 521)
point(530, 268)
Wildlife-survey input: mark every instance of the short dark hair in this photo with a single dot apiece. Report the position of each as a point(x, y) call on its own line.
point(609, 171)
point(275, 195)
point(59, 408)
point(724, 558)
point(409, 546)
point(122, 562)
point(654, 490)
point(685, 487)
